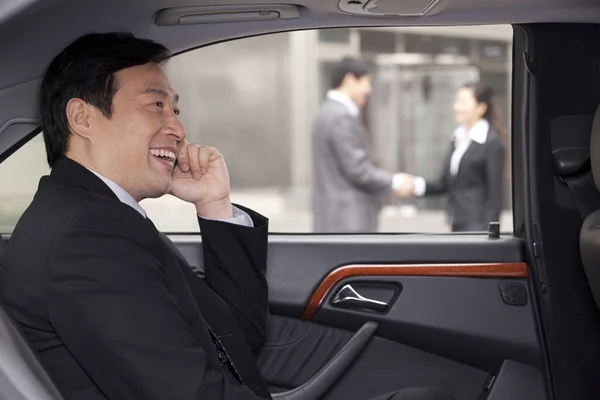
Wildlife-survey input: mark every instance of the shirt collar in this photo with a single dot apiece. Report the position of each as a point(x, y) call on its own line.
point(478, 133)
point(345, 100)
point(121, 193)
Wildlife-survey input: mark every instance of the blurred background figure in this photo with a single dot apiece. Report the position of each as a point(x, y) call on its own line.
point(347, 186)
point(472, 175)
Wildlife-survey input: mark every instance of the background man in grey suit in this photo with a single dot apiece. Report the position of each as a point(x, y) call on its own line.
point(347, 186)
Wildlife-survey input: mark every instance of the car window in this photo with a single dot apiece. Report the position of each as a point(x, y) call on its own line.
point(19, 175)
point(257, 100)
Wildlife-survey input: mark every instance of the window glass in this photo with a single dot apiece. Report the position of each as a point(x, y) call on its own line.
point(257, 99)
point(19, 176)
point(335, 35)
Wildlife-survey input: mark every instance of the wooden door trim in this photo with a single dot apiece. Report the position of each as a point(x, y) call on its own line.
point(475, 270)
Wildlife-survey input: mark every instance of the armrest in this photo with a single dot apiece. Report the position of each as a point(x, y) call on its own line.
point(324, 380)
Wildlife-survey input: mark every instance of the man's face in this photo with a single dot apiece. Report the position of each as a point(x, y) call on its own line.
point(360, 89)
point(137, 145)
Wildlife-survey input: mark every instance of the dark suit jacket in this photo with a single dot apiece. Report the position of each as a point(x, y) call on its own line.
point(116, 314)
point(475, 192)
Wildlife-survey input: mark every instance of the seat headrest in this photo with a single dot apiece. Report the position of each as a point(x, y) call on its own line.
point(595, 148)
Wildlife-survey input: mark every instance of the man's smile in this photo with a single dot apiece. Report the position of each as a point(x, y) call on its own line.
point(164, 154)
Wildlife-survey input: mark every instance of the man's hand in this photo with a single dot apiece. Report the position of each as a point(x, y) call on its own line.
point(406, 188)
point(201, 177)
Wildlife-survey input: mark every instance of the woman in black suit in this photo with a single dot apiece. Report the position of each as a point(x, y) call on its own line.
point(473, 172)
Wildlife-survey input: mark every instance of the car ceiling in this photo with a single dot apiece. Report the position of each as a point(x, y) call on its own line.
point(33, 31)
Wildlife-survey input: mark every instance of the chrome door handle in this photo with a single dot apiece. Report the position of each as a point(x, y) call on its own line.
point(347, 297)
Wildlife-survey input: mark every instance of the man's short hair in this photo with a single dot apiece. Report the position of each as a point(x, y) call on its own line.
point(86, 69)
point(348, 65)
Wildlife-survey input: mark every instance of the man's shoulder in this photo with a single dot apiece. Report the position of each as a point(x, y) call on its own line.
point(52, 205)
point(333, 114)
point(333, 108)
point(51, 212)
point(66, 224)
point(98, 218)
point(59, 210)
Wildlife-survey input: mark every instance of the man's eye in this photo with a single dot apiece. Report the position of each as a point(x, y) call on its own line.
point(159, 104)
point(177, 112)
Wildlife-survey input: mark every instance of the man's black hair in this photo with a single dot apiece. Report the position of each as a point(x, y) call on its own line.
point(348, 65)
point(86, 70)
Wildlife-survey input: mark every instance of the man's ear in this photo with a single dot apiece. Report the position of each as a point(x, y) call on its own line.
point(79, 116)
point(349, 79)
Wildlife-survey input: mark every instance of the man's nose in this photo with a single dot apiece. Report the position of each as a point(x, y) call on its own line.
point(175, 127)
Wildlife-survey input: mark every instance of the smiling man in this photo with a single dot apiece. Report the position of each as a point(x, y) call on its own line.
point(111, 306)
point(113, 310)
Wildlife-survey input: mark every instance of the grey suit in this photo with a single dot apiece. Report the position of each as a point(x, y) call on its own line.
point(346, 185)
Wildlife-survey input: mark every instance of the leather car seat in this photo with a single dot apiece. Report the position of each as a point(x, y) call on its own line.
point(22, 376)
point(2, 250)
point(589, 237)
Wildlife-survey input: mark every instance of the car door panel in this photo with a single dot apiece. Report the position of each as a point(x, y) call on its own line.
point(296, 350)
point(465, 319)
point(458, 307)
point(383, 366)
point(386, 366)
point(297, 264)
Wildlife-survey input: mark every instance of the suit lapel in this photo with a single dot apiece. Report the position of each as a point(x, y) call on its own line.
point(449, 178)
point(205, 298)
point(218, 316)
point(180, 288)
point(470, 153)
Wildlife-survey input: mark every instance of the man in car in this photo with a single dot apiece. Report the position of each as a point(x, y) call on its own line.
point(113, 309)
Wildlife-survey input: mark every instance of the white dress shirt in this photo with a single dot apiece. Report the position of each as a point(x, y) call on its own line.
point(355, 112)
point(239, 217)
point(345, 100)
point(462, 140)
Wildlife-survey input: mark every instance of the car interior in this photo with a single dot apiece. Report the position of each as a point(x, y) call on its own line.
point(485, 316)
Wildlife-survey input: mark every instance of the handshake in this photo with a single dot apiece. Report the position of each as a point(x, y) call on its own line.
point(404, 185)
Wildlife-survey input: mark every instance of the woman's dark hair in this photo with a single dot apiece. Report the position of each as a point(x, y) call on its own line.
point(348, 65)
point(484, 93)
point(86, 70)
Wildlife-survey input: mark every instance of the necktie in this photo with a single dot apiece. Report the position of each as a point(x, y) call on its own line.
point(226, 361)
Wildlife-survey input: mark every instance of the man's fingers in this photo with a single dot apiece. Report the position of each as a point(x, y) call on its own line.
point(193, 154)
point(183, 160)
point(204, 154)
point(196, 159)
